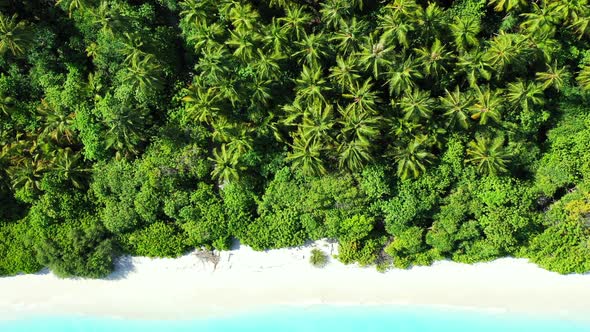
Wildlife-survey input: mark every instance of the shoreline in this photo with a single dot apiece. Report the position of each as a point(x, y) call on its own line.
point(248, 281)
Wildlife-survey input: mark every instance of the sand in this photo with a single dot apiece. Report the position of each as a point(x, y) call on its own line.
point(245, 280)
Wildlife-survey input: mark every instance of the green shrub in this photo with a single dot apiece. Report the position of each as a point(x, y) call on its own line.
point(318, 258)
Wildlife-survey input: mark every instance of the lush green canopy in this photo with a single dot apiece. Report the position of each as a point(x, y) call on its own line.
point(407, 130)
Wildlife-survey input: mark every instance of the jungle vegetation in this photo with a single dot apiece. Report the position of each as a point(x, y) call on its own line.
point(407, 130)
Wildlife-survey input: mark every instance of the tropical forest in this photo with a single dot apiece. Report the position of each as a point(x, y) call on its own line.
point(407, 131)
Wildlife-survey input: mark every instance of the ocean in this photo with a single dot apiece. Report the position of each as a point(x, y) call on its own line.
point(315, 318)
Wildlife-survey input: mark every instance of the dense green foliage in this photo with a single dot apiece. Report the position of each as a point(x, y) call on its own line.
point(407, 130)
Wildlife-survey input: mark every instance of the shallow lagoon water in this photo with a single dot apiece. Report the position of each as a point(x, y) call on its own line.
point(315, 318)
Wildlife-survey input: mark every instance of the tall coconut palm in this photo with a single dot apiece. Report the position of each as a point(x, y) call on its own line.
point(364, 99)
point(15, 35)
point(475, 66)
point(312, 48)
point(311, 85)
point(195, 11)
point(358, 126)
point(488, 155)
point(456, 106)
point(267, 65)
point(525, 94)
point(396, 28)
point(354, 155)
point(541, 21)
point(318, 122)
point(345, 73)
point(417, 105)
point(28, 174)
point(144, 74)
point(274, 37)
point(348, 37)
point(202, 103)
point(375, 56)
point(225, 164)
point(434, 58)
point(212, 65)
point(306, 156)
point(554, 77)
point(507, 5)
point(72, 5)
point(243, 17)
point(244, 44)
point(504, 50)
point(584, 78)
point(487, 105)
point(412, 159)
point(295, 21)
point(333, 11)
point(402, 76)
point(58, 124)
point(465, 31)
point(68, 165)
point(6, 104)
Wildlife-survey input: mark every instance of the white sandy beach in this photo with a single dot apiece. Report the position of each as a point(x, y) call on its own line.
point(246, 280)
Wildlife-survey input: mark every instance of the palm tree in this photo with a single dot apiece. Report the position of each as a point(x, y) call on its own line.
point(306, 156)
point(6, 105)
point(403, 75)
point(489, 155)
point(311, 48)
point(584, 78)
point(244, 42)
point(554, 76)
point(333, 11)
point(260, 92)
point(295, 20)
point(274, 37)
point(28, 174)
point(364, 99)
point(318, 121)
point(195, 11)
point(202, 103)
point(581, 24)
point(507, 5)
point(348, 37)
point(433, 59)
point(243, 17)
point(465, 31)
point(487, 105)
point(475, 66)
point(72, 5)
point(58, 124)
point(267, 66)
point(311, 85)
point(354, 155)
point(456, 106)
point(541, 21)
point(205, 36)
point(14, 35)
point(395, 29)
point(504, 50)
point(412, 159)
point(362, 127)
point(144, 74)
point(525, 94)
point(404, 8)
point(225, 164)
point(373, 56)
point(213, 63)
point(344, 74)
point(417, 104)
point(68, 165)
point(431, 21)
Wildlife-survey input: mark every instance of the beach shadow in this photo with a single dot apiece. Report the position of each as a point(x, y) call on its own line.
point(123, 266)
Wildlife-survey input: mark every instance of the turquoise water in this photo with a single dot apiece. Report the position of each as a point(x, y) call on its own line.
point(320, 318)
